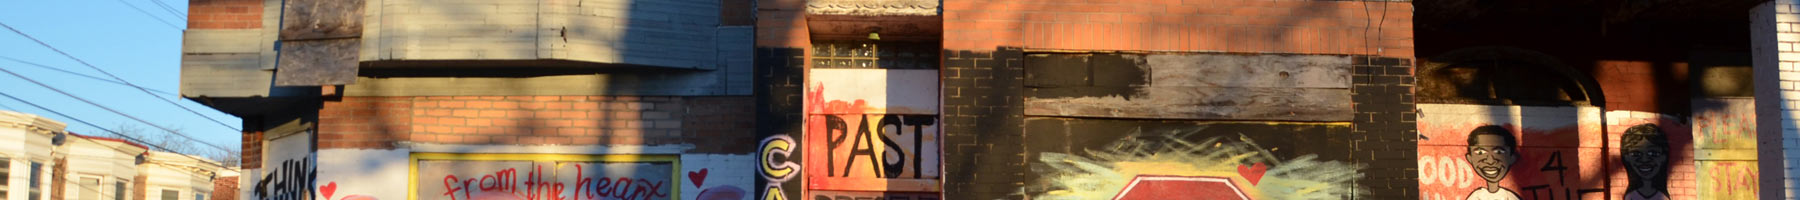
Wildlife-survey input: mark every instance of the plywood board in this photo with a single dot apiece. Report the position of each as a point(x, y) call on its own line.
point(889, 91)
point(1227, 70)
point(321, 19)
point(318, 62)
point(872, 152)
point(1287, 104)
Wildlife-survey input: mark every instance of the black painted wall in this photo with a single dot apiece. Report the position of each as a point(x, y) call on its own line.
point(1385, 135)
point(779, 78)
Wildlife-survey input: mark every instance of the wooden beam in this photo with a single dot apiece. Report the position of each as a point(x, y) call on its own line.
point(1227, 103)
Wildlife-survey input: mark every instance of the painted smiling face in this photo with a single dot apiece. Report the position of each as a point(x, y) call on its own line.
point(1492, 151)
point(1490, 157)
point(1645, 159)
point(1645, 151)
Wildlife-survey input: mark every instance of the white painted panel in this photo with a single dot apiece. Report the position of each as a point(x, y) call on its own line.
point(380, 174)
point(857, 91)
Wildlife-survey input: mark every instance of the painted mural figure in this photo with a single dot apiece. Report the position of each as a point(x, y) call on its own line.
point(1645, 149)
point(1492, 151)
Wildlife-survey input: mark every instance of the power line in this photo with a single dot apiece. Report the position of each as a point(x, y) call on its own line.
point(152, 17)
point(115, 77)
point(78, 120)
point(85, 75)
point(170, 9)
point(171, 131)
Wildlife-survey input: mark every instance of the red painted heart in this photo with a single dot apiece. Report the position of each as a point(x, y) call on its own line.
point(328, 189)
point(698, 177)
point(1254, 172)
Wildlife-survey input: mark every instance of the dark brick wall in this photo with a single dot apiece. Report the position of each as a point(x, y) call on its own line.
point(1385, 131)
point(779, 78)
point(983, 110)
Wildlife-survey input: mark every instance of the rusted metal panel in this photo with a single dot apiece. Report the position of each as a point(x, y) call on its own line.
point(318, 62)
point(1233, 103)
point(321, 19)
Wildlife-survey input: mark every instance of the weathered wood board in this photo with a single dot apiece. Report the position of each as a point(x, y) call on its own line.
point(321, 19)
point(317, 62)
point(1189, 86)
point(1288, 104)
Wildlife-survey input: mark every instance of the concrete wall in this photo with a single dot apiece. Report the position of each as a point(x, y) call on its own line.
point(1772, 39)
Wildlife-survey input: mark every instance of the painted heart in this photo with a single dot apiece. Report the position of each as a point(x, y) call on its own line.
point(1254, 172)
point(698, 177)
point(328, 189)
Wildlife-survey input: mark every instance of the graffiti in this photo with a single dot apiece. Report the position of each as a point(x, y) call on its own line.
point(1173, 166)
point(545, 180)
point(1728, 179)
point(850, 195)
point(1724, 124)
point(697, 177)
point(330, 188)
point(893, 161)
point(536, 186)
point(775, 167)
point(724, 192)
point(291, 180)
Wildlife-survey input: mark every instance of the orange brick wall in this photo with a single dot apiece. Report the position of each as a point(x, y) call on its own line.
point(224, 14)
point(378, 122)
point(225, 188)
point(1251, 26)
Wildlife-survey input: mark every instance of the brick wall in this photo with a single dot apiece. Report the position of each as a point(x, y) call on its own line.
point(1773, 40)
point(225, 188)
point(1312, 27)
point(378, 122)
point(1385, 135)
point(225, 14)
point(252, 148)
point(983, 111)
point(779, 79)
point(140, 187)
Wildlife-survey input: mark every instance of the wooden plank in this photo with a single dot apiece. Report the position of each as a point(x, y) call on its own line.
point(223, 75)
point(221, 41)
point(318, 62)
point(1260, 71)
point(321, 19)
point(1285, 104)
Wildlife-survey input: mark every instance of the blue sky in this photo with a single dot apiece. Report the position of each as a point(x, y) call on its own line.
point(115, 38)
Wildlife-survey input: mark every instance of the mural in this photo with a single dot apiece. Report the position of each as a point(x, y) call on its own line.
point(1510, 152)
point(1492, 152)
point(1542, 152)
point(1169, 166)
point(775, 167)
point(878, 133)
point(1646, 158)
point(545, 179)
